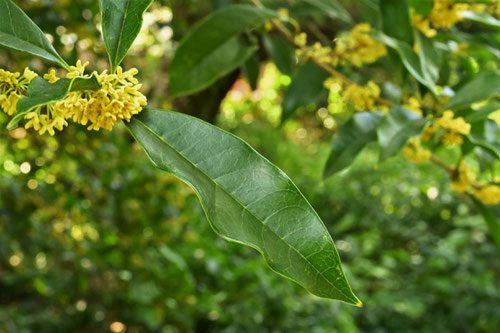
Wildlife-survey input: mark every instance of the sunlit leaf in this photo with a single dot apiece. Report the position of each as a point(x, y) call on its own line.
point(20, 33)
point(121, 23)
point(484, 86)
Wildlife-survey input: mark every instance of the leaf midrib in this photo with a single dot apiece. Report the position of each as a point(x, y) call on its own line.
point(246, 209)
point(120, 35)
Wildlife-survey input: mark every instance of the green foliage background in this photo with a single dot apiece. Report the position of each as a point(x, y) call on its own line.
point(101, 236)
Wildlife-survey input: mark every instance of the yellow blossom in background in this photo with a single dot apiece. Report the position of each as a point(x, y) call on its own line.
point(444, 14)
point(413, 104)
point(51, 76)
point(12, 87)
point(362, 98)
point(77, 70)
point(489, 194)
point(455, 128)
point(358, 48)
point(464, 178)
point(414, 151)
point(301, 39)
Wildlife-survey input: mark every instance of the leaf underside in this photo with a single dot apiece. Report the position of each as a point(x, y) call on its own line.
point(246, 198)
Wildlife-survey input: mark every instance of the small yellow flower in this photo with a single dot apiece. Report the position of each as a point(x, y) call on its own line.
point(413, 104)
point(362, 98)
point(464, 178)
point(301, 39)
point(12, 87)
point(51, 76)
point(489, 194)
point(77, 70)
point(414, 151)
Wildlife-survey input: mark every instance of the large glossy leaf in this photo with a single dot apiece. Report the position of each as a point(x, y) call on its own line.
point(332, 8)
point(394, 130)
point(429, 57)
point(410, 59)
point(41, 92)
point(306, 88)
point(251, 69)
point(246, 198)
point(350, 139)
point(482, 87)
point(212, 49)
point(280, 52)
point(121, 23)
point(20, 33)
point(482, 113)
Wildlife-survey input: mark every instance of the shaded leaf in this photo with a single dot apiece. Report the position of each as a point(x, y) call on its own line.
point(429, 57)
point(246, 198)
point(422, 7)
point(332, 8)
point(20, 33)
point(350, 139)
point(395, 128)
point(490, 219)
point(484, 86)
point(481, 18)
point(280, 52)
point(41, 92)
point(487, 137)
point(212, 48)
point(410, 59)
point(395, 13)
point(121, 23)
point(306, 87)
point(251, 70)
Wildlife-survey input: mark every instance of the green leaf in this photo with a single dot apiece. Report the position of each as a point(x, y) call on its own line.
point(306, 88)
point(487, 137)
point(481, 18)
point(280, 52)
point(251, 69)
point(121, 23)
point(246, 198)
point(332, 8)
point(410, 59)
point(482, 113)
point(429, 57)
point(491, 220)
point(350, 139)
point(396, 19)
point(422, 7)
point(41, 92)
point(395, 128)
point(484, 86)
point(20, 33)
point(212, 48)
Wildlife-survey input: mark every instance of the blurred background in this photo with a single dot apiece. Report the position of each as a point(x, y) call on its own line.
point(94, 239)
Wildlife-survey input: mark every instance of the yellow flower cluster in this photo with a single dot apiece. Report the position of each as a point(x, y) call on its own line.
point(414, 151)
point(12, 87)
point(489, 194)
point(119, 98)
point(362, 98)
point(463, 179)
point(356, 48)
point(444, 14)
point(455, 128)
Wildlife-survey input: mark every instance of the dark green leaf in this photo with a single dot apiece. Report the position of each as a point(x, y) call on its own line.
point(350, 139)
point(212, 48)
point(482, 87)
point(306, 88)
point(395, 13)
point(394, 130)
point(481, 18)
point(410, 59)
point(482, 113)
point(121, 23)
point(246, 198)
point(280, 52)
point(20, 33)
point(332, 8)
point(251, 69)
point(41, 92)
point(491, 220)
